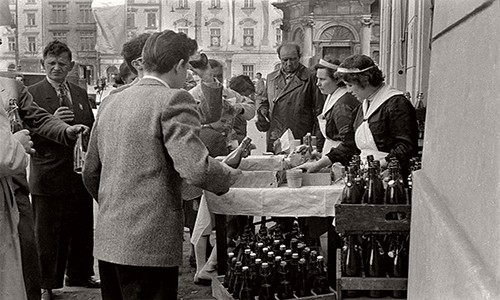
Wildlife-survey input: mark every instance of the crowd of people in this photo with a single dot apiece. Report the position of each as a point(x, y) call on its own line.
point(150, 154)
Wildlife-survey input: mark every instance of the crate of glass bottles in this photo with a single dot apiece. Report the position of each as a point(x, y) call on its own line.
point(366, 218)
point(219, 292)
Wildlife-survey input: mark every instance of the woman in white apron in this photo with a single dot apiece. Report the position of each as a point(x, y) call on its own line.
point(336, 115)
point(384, 125)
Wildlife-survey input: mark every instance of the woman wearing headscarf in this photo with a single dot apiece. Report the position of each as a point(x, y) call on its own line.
point(384, 125)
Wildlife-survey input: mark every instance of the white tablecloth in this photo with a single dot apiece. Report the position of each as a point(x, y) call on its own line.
point(318, 201)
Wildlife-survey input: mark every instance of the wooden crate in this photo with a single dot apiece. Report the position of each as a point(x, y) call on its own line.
point(368, 218)
point(219, 292)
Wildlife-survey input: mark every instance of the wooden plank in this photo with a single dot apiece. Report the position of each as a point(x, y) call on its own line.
point(367, 218)
point(373, 283)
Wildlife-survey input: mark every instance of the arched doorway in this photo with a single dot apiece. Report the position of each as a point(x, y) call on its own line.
point(111, 72)
point(337, 40)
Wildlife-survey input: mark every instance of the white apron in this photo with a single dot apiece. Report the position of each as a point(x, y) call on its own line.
point(363, 136)
point(329, 103)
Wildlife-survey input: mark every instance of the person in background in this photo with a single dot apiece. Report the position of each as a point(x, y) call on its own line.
point(291, 98)
point(384, 125)
point(13, 161)
point(126, 74)
point(62, 206)
point(137, 158)
point(336, 115)
point(243, 85)
point(260, 88)
point(233, 104)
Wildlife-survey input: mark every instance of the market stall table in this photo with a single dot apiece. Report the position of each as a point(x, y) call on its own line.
point(306, 201)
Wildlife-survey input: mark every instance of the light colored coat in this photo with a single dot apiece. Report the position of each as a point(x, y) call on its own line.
point(144, 143)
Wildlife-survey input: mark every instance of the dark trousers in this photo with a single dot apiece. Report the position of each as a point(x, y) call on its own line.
point(64, 233)
point(29, 254)
point(121, 282)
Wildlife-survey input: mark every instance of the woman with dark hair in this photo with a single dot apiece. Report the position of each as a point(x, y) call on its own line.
point(243, 85)
point(384, 125)
point(336, 114)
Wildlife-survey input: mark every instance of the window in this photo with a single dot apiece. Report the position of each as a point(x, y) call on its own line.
point(13, 19)
point(87, 41)
point(183, 4)
point(215, 37)
point(31, 44)
point(131, 20)
point(248, 70)
point(279, 34)
point(215, 4)
point(59, 13)
point(30, 1)
point(247, 36)
point(12, 44)
point(183, 30)
point(248, 4)
point(151, 19)
point(85, 15)
point(60, 36)
point(31, 19)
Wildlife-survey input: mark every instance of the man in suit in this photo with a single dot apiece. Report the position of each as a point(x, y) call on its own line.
point(63, 208)
point(145, 142)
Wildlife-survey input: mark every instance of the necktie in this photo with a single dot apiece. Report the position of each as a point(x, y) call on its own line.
point(63, 97)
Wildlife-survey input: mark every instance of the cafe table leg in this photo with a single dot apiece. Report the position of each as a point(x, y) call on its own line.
point(221, 240)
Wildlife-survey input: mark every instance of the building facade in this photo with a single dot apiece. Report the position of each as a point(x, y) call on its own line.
point(36, 22)
point(337, 27)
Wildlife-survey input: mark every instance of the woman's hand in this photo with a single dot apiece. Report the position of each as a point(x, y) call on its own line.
point(315, 166)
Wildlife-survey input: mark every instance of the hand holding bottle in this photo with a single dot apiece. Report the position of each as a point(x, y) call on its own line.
point(233, 159)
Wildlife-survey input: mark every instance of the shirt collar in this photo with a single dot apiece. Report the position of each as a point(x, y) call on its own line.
point(156, 78)
point(56, 84)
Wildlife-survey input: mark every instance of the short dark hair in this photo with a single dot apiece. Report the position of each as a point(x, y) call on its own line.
point(294, 45)
point(372, 76)
point(242, 84)
point(56, 48)
point(133, 49)
point(163, 50)
point(258, 73)
point(329, 71)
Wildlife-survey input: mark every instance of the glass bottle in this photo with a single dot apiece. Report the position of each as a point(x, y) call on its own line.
point(284, 290)
point(303, 289)
point(238, 279)
point(78, 154)
point(15, 120)
point(246, 292)
point(374, 191)
point(257, 277)
point(294, 271)
point(375, 263)
point(320, 284)
point(233, 159)
point(395, 192)
point(352, 192)
point(351, 261)
point(266, 291)
point(230, 268)
point(398, 257)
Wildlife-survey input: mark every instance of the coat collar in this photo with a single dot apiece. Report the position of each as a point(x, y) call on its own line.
point(302, 73)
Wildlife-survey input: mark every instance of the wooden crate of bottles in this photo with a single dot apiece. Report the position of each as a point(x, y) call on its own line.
point(374, 223)
point(219, 292)
point(277, 265)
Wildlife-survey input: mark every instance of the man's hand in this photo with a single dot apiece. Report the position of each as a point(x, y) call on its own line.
point(23, 136)
point(74, 130)
point(65, 114)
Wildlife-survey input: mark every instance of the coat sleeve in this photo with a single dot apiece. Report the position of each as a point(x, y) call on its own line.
point(180, 127)
point(210, 102)
point(13, 158)
point(40, 121)
point(91, 173)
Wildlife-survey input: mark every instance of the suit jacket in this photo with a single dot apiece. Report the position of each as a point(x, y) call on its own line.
point(145, 142)
point(51, 171)
point(291, 106)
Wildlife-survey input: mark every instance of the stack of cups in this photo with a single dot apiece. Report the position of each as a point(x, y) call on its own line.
point(294, 178)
